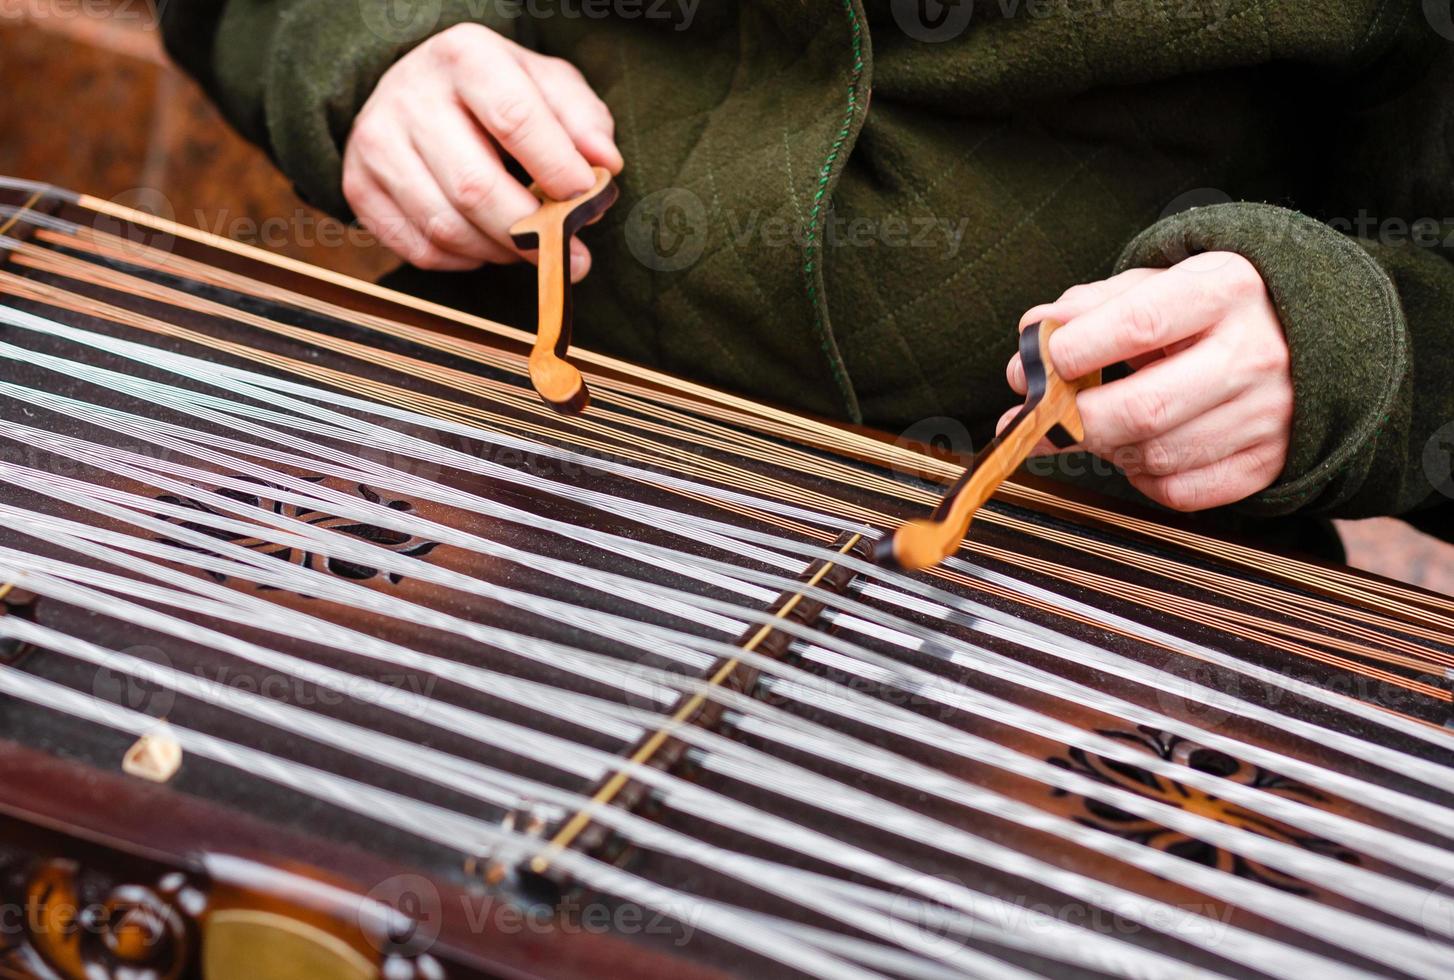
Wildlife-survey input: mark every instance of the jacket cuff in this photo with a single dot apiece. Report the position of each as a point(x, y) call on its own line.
point(329, 57)
point(1343, 320)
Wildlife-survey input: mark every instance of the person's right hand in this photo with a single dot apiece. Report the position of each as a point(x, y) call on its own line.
point(423, 169)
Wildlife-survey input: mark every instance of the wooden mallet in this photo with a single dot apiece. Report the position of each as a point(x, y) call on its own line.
point(550, 231)
point(1049, 412)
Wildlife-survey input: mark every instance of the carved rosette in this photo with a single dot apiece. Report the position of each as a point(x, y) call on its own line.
point(1113, 820)
point(62, 920)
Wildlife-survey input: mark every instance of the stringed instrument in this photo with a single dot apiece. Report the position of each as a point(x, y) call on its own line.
point(334, 646)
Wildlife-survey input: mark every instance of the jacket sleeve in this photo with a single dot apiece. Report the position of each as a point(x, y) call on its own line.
point(292, 75)
point(1363, 284)
point(1368, 325)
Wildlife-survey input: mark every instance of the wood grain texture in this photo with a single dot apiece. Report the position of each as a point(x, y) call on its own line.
point(550, 231)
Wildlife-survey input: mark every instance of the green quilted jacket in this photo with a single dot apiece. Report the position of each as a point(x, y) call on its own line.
point(845, 205)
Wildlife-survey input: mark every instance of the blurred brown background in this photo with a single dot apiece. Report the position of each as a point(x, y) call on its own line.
point(91, 104)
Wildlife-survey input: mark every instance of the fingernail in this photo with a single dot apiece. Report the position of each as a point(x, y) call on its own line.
point(580, 262)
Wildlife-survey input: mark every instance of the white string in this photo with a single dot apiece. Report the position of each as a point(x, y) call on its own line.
point(251, 383)
point(1418, 862)
point(1015, 628)
point(1040, 871)
point(430, 822)
point(731, 531)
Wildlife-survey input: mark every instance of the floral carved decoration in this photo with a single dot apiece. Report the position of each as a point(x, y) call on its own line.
point(388, 538)
point(1127, 776)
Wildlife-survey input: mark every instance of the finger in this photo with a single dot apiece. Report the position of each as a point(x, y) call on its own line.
point(446, 225)
point(468, 169)
point(386, 220)
point(1156, 399)
point(584, 116)
point(1043, 448)
point(1005, 419)
point(1226, 430)
point(1218, 484)
point(406, 178)
point(1075, 301)
point(485, 193)
point(509, 105)
point(1081, 299)
point(1152, 315)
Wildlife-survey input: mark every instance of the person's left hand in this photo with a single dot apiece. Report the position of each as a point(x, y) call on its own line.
point(1206, 416)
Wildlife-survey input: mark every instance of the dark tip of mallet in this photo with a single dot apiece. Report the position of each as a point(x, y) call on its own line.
point(884, 554)
point(574, 405)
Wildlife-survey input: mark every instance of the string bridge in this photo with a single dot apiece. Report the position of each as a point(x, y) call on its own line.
point(541, 878)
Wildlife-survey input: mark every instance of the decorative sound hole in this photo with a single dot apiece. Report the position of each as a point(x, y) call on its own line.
point(395, 541)
point(1174, 748)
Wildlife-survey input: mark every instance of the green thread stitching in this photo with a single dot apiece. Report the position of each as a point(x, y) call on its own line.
point(825, 173)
